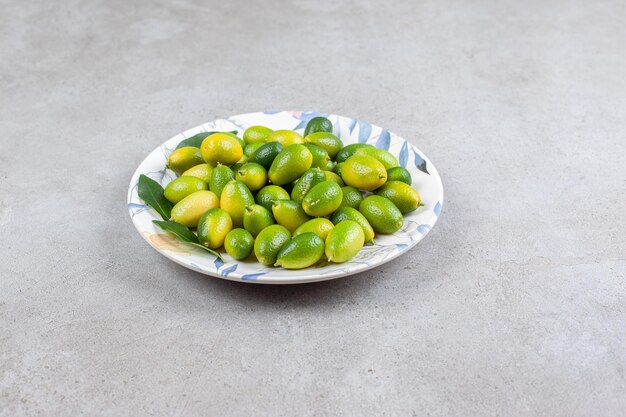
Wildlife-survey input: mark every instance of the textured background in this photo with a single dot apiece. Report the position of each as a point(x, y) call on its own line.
point(514, 305)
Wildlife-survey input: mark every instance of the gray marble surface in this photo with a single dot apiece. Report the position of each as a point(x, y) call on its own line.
point(514, 305)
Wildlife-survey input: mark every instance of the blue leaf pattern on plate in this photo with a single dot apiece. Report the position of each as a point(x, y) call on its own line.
point(352, 124)
point(252, 277)
point(271, 112)
point(135, 206)
point(384, 139)
point(423, 228)
point(218, 263)
point(365, 129)
point(228, 270)
point(301, 125)
point(420, 163)
point(404, 155)
point(437, 209)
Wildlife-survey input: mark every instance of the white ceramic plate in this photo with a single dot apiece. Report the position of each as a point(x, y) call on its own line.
point(417, 224)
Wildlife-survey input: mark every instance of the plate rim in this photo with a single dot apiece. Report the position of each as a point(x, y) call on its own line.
point(273, 280)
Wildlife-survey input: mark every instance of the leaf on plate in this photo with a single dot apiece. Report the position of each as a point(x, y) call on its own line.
point(184, 234)
point(196, 140)
point(177, 229)
point(151, 193)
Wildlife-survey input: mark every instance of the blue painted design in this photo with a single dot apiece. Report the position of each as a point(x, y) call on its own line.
point(401, 246)
point(365, 129)
point(437, 209)
point(308, 115)
point(301, 125)
point(384, 139)
point(336, 129)
point(135, 206)
point(352, 124)
point(271, 112)
point(423, 228)
point(420, 163)
point(228, 270)
point(218, 263)
point(252, 277)
point(404, 155)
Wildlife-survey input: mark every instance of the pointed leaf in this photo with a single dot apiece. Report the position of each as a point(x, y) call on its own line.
point(184, 234)
point(151, 193)
point(177, 229)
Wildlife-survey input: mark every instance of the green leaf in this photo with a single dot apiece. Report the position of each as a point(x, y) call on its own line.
point(184, 234)
point(151, 193)
point(196, 140)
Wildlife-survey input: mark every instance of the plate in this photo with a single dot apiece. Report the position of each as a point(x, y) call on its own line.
point(417, 224)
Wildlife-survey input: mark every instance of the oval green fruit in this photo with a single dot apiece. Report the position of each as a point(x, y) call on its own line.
point(290, 164)
point(399, 174)
point(269, 242)
point(349, 213)
point(323, 199)
point(251, 148)
point(320, 226)
point(308, 180)
point(351, 197)
point(318, 124)
point(402, 195)
point(213, 227)
point(253, 175)
point(257, 218)
point(266, 154)
point(190, 209)
point(202, 171)
point(233, 134)
point(256, 134)
point(331, 176)
point(182, 159)
point(337, 169)
point(239, 243)
point(364, 172)
point(234, 199)
point(382, 214)
point(289, 213)
point(325, 140)
point(320, 156)
point(269, 194)
point(301, 252)
point(349, 150)
point(384, 157)
point(221, 148)
point(344, 241)
point(285, 137)
point(181, 187)
point(220, 176)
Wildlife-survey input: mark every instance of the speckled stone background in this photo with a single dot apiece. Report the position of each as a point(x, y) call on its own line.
point(514, 305)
